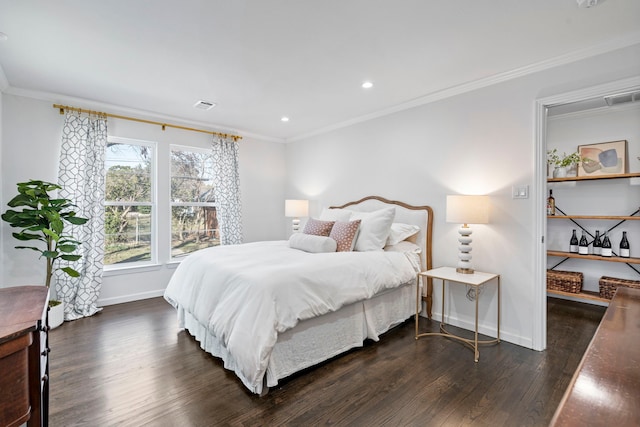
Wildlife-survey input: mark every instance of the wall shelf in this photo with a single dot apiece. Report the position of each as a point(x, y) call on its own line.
point(589, 178)
point(584, 295)
point(588, 296)
point(613, 217)
point(594, 257)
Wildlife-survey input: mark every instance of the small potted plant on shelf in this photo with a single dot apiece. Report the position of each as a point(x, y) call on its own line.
point(43, 218)
point(564, 165)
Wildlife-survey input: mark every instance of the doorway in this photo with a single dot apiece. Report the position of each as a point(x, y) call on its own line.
point(571, 101)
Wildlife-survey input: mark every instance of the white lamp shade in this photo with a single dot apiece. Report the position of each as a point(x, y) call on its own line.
point(468, 209)
point(296, 208)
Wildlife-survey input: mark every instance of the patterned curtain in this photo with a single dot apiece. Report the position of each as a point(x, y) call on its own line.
point(81, 176)
point(226, 178)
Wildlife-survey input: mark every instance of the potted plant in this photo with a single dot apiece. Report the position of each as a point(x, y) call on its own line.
point(43, 218)
point(562, 163)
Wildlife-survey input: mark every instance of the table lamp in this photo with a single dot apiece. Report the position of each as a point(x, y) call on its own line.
point(466, 210)
point(296, 209)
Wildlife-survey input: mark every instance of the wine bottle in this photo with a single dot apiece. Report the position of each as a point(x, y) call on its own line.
point(606, 245)
point(624, 246)
point(583, 246)
point(597, 244)
point(551, 204)
point(573, 243)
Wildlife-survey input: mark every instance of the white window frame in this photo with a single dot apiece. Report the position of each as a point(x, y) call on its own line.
point(153, 204)
point(178, 147)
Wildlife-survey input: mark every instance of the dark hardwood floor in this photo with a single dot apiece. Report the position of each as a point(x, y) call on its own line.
point(130, 366)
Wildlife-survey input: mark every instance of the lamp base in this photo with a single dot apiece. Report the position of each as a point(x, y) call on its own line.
point(464, 270)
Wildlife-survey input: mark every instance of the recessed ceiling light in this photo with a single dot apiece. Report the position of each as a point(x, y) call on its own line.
point(284, 119)
point(204, 105)
point(367, 85)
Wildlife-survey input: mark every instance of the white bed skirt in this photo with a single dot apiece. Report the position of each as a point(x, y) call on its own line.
point(318, 339)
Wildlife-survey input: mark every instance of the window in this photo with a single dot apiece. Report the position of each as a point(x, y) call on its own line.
point(130, 211)
point(194, 224)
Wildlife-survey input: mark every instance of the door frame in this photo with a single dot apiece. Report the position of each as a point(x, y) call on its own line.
point(540, 193)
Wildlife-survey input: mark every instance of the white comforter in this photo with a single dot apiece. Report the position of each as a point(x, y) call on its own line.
point(247, 294)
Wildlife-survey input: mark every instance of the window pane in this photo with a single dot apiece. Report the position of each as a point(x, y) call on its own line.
point(127, 234)
point(191, 176)
point(193, 228)
point(128, 173)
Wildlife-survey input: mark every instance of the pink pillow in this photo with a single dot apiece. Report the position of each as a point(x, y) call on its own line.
point(344, 233)
point(317, 227)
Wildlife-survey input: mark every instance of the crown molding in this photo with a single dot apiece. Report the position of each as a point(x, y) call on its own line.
point(118, 109)
point(557, 61)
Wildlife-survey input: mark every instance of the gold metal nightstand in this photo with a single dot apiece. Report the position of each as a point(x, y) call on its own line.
point(449, 274)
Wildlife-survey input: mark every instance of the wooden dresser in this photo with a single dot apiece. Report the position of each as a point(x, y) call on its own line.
point(605, 388)
point(24, 356)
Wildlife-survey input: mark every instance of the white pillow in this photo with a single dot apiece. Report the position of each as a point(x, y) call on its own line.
point(312, 243)
point(403, 246)
point(374, 229)
point(400, 232)
point(335, 215)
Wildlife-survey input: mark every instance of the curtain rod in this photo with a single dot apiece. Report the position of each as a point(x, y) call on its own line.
point(62, 109)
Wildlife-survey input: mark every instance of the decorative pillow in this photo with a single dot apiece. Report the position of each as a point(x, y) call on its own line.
point(335, 214)
point(400, 232)
point(344, 233)
point(374, 229)
point(312, 243)
point(317, 227)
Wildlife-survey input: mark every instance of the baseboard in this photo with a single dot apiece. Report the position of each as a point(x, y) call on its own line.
point(489, 331)
point(129, 298)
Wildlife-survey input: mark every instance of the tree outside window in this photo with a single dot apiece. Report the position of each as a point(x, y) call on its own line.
point(129, 202)
point(194, 223)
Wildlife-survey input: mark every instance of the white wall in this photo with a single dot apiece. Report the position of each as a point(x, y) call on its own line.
point(30, 150)
point(607, 197)
point(480, 142)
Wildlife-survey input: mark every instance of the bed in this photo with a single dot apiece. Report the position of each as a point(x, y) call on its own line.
point(270, 309)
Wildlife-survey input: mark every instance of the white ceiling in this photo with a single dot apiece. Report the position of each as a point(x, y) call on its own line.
point(260, 60)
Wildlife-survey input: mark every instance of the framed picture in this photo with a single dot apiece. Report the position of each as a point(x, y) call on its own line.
point(606, 158)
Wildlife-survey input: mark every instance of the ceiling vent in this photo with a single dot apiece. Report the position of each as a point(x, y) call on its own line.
point(622, 98)
point(204, 105)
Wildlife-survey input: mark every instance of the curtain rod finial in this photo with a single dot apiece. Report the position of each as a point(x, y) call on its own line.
point(61, 110)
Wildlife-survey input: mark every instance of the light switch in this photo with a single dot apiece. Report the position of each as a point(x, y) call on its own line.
point(520, 191)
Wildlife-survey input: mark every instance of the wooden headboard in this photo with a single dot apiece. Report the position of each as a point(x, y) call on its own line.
point(421, 216)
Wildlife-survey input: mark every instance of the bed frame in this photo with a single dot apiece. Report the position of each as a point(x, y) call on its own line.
point(424, 238)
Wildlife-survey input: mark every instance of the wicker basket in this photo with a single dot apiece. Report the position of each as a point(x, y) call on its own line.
point(608, 285)
point(565, 281)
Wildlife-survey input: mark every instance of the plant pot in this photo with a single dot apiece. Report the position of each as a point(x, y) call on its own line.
point(56, 315)
point(560, 172)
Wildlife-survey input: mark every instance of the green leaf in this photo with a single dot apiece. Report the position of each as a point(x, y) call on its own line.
point(26, 236)
point(76, 220)
point(67, 248)
point(51, 234)
point(57, 225)
point(70, 271)
point(50, 254)
point(29, 247)
point(64, 240)
point(70, 257)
